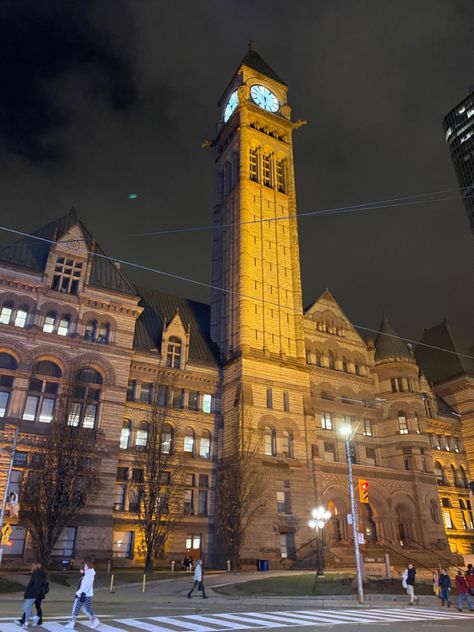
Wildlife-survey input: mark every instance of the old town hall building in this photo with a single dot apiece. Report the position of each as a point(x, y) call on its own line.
point(299, 375)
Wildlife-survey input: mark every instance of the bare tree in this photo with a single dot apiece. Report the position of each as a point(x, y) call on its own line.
point(241, 496)
point(62, 472)
point(157, 495)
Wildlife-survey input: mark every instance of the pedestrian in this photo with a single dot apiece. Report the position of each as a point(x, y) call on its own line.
point(445, 588)
point(462, 588)
point(84, 594)
point(470, 578)
point(408, 582)
point(198, 580)
point(34, 591)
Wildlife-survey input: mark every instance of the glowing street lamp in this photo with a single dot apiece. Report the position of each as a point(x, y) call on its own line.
point(320, 518)
point(346, 432)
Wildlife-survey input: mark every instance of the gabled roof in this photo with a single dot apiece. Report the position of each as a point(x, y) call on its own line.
point(328, 298)
point(159, 309)
point(439, 365)
point(31, 254)
point(389, 345)
point(253, 60)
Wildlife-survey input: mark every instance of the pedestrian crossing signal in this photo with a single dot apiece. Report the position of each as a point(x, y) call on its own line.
point(363, 491)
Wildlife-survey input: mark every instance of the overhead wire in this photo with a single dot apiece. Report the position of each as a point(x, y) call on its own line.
point(389, 203)
point(144, 268)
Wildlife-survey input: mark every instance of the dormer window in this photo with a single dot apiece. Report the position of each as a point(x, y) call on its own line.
point(66, 276)
point(173, 354)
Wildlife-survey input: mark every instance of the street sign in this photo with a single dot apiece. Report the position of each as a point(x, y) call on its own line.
point(5, 532)
point(361, 538)
point(349, 518)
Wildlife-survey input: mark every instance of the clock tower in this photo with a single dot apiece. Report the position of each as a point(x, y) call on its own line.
point(256, 311)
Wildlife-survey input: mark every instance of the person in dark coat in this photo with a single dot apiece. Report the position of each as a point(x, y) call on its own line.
point(470, 578)
point(444, 588)
point(35, 589)
point(462, 588)
point(408, 576)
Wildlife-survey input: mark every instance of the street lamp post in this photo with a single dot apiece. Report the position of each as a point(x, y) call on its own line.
point(346, 432)
point(320, 518)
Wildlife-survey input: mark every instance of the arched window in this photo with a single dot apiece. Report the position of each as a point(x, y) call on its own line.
point(319, 358)
point(21, 316)
point(84, 409)
point(269, 440)
point(402, 423)
point(42, 392)
point(6, 313)
point(205, 445)
point(8, 365)
point(357, 368)
point(439, 471)
point(287, 444)
point(104, 334)
point(434, 511)
point(167, 439)
point(91, 331)
point(125, 434)
point(49, 322)
point(332, 360)
point(454, 474)
point(189, 441)
point(416, 423)
point(345, 364)
point(64, 325)
point(464, 479)
point(141, 438)
point(173, 354)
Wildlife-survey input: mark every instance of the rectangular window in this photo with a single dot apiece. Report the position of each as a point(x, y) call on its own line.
point(162, 395)
point(253, 165)
point(326, 421)
point(203, 480)
point(266, 171)
point(370, 456)
point(66, 276)
point(283, 497)
point(280, 176)
point(456, 444)
point(122, 474)
point(287, 546)
point(281, 502)
point(20, 319)
point(329, 451)
point(20, 459)
point(193, 400)
point(368, 428)
point(64, 546)
point(137, 475)
point(446, 502)
point(269, 398)
point(130, 391)
point(206, 403)
point(5, 315)
point(286, 401)
point(119, 497)
point(188, 502)
point(29, 413)
point(202, 503)
point(145, 393)
point(448, 521)
point(17, 541)
point(122, 544)
point(178, 398)
point(193, 542)
point(4, 398)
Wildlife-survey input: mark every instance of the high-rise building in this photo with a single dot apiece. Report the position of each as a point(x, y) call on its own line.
point(459, 128)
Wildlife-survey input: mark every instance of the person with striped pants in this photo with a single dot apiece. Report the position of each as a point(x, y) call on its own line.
point(84, 594)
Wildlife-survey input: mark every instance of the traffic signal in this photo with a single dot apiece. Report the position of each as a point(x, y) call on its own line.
point(363, 491)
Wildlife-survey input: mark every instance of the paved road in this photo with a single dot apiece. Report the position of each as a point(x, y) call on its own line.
point(408, 619)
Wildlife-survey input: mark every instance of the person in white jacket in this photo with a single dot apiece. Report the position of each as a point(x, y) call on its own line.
point(84, 594)
point(198, 582)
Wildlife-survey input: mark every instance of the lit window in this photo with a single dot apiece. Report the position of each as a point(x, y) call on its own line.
point(66, 276)
point(470, 113)
point(448, 521)
point(141, 439)
point(188, 502)
point(8, 366)
point(42, 392)
point(402, 423)
point(173, 354)
point(104, 334)
point(166, 439)
point(368, 432)
point(269, 440)
point(205, 445)
point(461, 110)
point(206, 403)
point(189, 441)
point(21, 316)
point(91, 331)
point(416, 423)
point(439, 472)
point(326, 421)
point(6, 313)
point(64, 324)
point(49, 322)
point(122, 544)
point(125, 435)
point(193, 542)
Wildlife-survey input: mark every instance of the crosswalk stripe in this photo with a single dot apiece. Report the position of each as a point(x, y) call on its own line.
point(195, 627)
point(9, 627)
point(223, 624)
point(103, 627)
point(352, 617)
point(142, 625)
point(314, 620)
point(251, 620)
point(364, 616)
point(53, 627)
point(417, 612)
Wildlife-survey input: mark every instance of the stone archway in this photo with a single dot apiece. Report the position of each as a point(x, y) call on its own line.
point(367, 523)
point(406, 533)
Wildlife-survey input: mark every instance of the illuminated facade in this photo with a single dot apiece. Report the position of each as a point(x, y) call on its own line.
point(299, 375)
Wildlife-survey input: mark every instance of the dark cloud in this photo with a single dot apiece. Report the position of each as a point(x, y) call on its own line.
point(105, 97)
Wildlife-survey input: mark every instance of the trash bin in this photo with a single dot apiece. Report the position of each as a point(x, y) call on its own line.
point(259, 565)
point(66, 564)
point(264, 566)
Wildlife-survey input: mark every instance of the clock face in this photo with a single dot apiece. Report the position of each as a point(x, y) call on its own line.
point(232, 103)
point(264, 98)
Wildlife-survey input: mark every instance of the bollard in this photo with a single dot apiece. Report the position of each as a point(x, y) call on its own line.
point(109, 566)
point(172, 566)
point(111, 587)
point(228, 566)
point(144, 582)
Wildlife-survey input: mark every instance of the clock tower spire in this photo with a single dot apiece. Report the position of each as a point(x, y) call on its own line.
point(257, 303)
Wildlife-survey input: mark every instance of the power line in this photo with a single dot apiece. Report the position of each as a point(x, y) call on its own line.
point(390, 203)
point(144, 268)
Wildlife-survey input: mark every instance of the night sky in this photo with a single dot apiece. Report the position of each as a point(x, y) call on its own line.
point(104, 98)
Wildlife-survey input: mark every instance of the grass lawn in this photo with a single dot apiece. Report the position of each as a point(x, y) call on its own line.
point(9, 586)
point(302, 585)
point(121, 576)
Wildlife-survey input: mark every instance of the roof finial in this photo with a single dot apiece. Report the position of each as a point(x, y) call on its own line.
point(250, 44)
